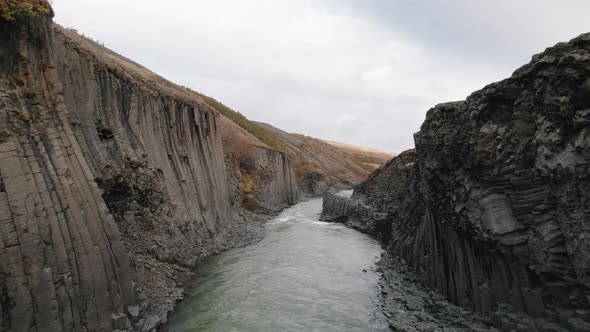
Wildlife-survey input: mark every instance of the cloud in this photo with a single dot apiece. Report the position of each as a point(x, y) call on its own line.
point(346, 118)
point(303, 65)
point(377, 73)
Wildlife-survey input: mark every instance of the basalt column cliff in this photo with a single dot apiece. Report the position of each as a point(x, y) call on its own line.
point(492, 208)
point(62, 262)
point(114, 184)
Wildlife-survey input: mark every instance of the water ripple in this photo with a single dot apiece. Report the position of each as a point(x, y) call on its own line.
point(305, 275)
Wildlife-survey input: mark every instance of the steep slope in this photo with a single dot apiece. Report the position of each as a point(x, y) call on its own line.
point(492, 208)
point(368, 158)
point(114, 183)
point(319, 165)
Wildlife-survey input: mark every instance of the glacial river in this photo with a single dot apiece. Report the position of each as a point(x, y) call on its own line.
point(305, 275)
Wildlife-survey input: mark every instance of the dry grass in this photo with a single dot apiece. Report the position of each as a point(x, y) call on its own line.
point(127, 69)
point(339, 165)
point(367, 158)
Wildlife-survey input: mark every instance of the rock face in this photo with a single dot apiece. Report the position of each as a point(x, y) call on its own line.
point(492, 208)
point(114, 185)
point(276, 184)
point(355, 214)
point(262, 179)
point(63, 264)
point(158, 158)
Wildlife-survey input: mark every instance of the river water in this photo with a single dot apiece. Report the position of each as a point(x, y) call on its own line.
point(305, 275)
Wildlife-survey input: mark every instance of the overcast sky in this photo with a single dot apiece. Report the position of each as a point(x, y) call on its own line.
point(362, 72)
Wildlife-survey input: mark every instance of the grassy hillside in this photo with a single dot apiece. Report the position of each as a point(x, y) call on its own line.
point(302, 166)
point(341, 169)
point(263, 135)
point(310, 156)
point(367, 158)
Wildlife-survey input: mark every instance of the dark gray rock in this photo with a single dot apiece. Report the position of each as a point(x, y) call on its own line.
point(120, 321)
point(133, 312)
point(356, 215)
point(492, 207)
point(113, 186)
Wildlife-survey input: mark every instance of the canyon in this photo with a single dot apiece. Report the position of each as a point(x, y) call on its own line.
point(115, 184)
point(491, 208)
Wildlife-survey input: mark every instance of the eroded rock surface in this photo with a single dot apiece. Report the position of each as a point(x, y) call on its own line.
point(492, 208)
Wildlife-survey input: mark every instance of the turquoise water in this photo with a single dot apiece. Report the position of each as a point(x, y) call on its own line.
point(305, 275)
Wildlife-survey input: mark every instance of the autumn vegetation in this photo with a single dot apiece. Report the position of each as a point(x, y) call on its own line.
point(14, 10)
point(262, 134)
point(302, 167)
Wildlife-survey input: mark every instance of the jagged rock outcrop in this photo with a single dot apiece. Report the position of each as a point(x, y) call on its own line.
point(355, 214)
point(492, 208)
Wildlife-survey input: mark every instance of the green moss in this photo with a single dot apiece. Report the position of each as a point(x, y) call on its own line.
point(13, 10)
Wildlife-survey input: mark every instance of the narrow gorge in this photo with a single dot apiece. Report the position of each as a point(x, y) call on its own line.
point(131, 203)
point(115, 184)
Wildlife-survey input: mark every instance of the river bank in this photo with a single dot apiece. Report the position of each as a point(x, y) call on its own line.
point(308, 275)
point(303, 275)
point(410, 307)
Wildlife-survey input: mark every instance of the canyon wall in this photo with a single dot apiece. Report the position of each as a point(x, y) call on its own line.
point(63, 264)
point(262, 179)
point(320, 166)
point(156, 154)
point(275, 180)
point(492, 208)
point(114, 185)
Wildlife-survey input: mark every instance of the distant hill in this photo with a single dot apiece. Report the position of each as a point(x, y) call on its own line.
point(323, 164)
point(367, 157)
point(318, 164)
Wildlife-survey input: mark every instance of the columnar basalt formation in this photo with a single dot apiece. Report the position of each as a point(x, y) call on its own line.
point(157, 155)
point(113, 185)
point(492, 208)
point(276, 185)
point(262, 179)
point(63, 265)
